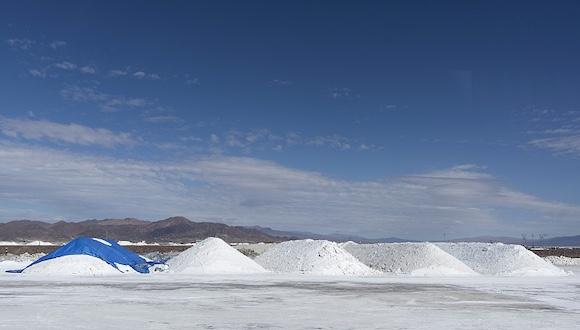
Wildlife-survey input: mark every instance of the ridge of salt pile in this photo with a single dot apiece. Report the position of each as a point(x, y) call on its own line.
point(417, 259)
point(213, 256)
point(318, 257)
point(73, 265)
point(501, 259)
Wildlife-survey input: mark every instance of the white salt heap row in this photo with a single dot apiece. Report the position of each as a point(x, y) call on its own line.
point(320, 257)
point(501, 259)
point(418, 259)
point(213, 256)
point(312, 257)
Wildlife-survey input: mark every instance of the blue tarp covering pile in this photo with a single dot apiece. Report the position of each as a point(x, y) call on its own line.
point(106, 250)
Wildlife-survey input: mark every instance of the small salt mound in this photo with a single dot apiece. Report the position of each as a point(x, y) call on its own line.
point(36, 243)
point(73, 265)
point(418, 259)
point(213, 256)
point(312, 257)
point(562, 261)
point(501, 259)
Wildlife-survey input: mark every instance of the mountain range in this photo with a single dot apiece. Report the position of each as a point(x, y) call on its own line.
point(175, 229)
point(183, 230)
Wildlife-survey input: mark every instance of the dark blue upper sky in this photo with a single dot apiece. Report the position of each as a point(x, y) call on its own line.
point(378, 118)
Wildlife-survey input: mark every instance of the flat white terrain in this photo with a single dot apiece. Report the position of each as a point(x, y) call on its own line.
point(283, 301)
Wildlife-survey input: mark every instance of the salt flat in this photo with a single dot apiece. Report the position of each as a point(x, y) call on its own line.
point(282, 301)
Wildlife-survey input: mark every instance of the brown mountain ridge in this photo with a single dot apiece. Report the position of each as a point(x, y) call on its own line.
point(174, 229)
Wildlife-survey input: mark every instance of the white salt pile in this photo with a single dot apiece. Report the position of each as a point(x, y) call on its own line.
point(562, 261)
point(501, 259)
point(213, 256)
point(39, 243)
point(73, 265)
point(312, 257)
point(417, 259)
point(129, 243)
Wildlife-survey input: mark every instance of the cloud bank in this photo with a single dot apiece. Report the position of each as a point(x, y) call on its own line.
point(43, 183)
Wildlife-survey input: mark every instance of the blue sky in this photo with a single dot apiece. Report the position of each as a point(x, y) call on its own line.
point(402, 119)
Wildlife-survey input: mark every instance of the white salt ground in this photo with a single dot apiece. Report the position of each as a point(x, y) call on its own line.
point(416, 259)
point(213, 256)
point(501, 259)
point(73, 265)
point(317, 257)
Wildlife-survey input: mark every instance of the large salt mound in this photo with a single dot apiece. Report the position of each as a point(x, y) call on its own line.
point(312, 257)
point(501, 259)
point(418, 259)
point(213, 256)
point(73, 265)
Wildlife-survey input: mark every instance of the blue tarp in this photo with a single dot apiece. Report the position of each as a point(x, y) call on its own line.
point(106, 250)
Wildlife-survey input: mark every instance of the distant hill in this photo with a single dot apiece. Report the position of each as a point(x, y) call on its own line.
point(329, 237)
point(183, 230)
point(560, 241)
point(489, 239)
point(553, 241)
point(175, 229)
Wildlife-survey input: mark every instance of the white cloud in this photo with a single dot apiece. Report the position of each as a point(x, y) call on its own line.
point(162, 119)
point(37, 73)
point(280, 82)
point(562, 144)
point(57, 44)
point(244, 191)
point(65, 65)
point(42, 130)
point(22, 44)
point(334, 141)
point(88, 69)
point(342, 93)
point(118, 73)
point(191, 81)
point(554, 131)
point(143, 75)
point(105, 101)
point(265, 139)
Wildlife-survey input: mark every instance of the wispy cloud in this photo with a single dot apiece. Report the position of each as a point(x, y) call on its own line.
point(57, 44)
point(334, 141)
point(561, 144)
point(162, 119)
point(280, 82)
point(462, 200)
point(88, 69)
point(118, 73)
point(39, 73)
point(106, 102)
point(555, 131)
point(28, 44)
point(21, 44)
point(138, 74)
point(65, 65)
point(190, 80)
point(342, 93)
point(43, 130)
point(264, 139)
point(144, 75)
